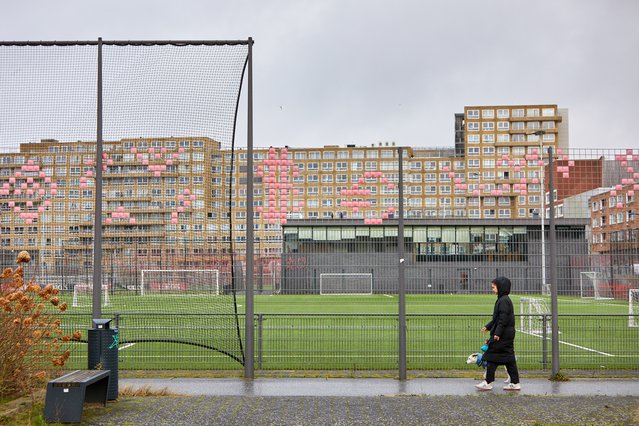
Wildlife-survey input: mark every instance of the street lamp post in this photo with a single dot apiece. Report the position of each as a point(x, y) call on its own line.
point(542, 211)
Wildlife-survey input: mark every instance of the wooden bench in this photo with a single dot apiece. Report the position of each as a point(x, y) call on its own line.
point(66, 395)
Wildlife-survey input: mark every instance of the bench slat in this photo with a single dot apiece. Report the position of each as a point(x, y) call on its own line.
point(82, 376)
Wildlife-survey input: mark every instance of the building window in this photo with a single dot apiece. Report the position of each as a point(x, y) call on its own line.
point(488, 138)
point(488, 126)
point(488, 150)
point(472, 138)
point(371, 165)
point(503, 113)
point(503, 126)
point(472, 114)
point(329, 155)
point(488, 113)
point(473, 127)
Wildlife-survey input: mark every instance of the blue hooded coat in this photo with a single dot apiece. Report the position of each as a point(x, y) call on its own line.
point(502, 325)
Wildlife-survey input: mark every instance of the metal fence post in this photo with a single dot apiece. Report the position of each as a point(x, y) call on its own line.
point(544, 341)
point(250, 254)
point(552, 237)
point(259, 340)
point(401, 266)
point(97, 222)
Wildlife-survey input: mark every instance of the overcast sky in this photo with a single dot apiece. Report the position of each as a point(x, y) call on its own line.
point(364, 71)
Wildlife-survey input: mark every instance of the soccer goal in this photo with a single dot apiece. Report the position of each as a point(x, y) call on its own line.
point(633, 307)
point(83, 295)
point(592, 285)
point(180, 281)
point(345, 284)
point(533, 312)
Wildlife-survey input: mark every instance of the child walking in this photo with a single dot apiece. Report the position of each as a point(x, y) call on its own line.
point(501, 348)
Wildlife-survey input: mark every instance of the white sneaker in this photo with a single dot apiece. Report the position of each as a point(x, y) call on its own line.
point(484, 386)
point(512, 386)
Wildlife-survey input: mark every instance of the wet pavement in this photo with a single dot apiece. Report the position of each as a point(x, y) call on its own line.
point(379, 387)
point(346, 402)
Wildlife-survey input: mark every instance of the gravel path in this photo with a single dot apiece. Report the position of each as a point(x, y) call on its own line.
point(402, 410)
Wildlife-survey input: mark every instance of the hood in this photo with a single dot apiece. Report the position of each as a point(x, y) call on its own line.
point(503, 286)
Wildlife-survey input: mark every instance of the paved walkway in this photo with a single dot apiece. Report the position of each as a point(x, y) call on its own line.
point(379, 387)
point(289, 401)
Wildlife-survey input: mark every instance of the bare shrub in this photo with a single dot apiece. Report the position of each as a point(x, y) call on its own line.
point(32, 343)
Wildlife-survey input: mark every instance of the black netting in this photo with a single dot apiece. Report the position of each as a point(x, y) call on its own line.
point(168, 120)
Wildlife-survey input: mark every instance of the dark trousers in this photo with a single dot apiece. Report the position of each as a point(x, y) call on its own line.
point(511, 367)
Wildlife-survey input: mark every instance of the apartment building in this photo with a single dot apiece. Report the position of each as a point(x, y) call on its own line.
point(493, 172)
point(170, 201)
point(162, 203)
point(615, 225)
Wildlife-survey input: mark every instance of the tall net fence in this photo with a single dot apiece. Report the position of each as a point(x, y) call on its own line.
point(595, 210)
point(168, 124)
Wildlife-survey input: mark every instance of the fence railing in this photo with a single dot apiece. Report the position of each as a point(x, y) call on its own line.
point(152, 341)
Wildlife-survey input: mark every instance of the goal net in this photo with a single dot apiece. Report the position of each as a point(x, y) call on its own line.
point(180, 281)
point(344, 284)
point(592, 285)
point(83, 295)
point(534, 313)
point(633, 307)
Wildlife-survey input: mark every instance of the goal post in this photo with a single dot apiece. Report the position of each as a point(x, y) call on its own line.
point(83, 295)
point(534, 313)
point(182, 281)
point(346, 284)
point(633, 307)
point(592, 285)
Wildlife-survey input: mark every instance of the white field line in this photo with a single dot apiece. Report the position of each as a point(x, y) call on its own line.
point(388, 295)
point(591, 303)
point(571, 344)
point(128, 345)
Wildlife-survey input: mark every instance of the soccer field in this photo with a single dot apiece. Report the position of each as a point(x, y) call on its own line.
point(344, 304)
point(308, 332)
